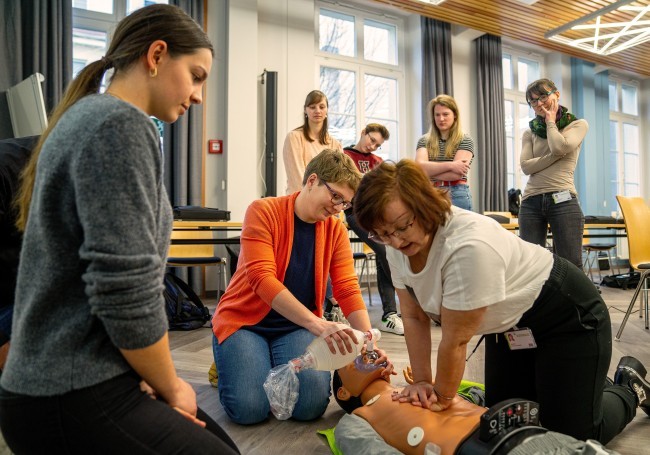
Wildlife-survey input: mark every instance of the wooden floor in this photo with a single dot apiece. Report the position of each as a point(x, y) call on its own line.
point(192, 352)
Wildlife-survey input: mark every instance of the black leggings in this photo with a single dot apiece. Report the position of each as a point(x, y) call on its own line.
point(111, 417)
point(566, 373)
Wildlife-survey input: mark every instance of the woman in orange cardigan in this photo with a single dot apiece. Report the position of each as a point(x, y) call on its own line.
point(271, 310)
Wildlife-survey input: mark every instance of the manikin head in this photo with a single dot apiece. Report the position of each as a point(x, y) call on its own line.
point(350, 381)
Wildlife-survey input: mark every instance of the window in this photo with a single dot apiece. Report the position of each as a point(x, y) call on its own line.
point(519, 70)
point(93, 22)
point(361, 73)
point(624, 140)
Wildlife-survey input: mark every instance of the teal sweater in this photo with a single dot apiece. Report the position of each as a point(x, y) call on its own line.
point(93, 257)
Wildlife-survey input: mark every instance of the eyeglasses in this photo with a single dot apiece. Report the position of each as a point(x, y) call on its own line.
point(385, 239)
point(374, 142)
point(337, 199)
point(542, 99)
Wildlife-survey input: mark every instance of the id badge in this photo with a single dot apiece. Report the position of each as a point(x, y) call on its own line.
point(520, 339)
point(561, 196)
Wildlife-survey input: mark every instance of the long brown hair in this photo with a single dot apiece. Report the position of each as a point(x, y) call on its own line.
point(407, 181)
point(313, 97)
point(455, 132)
point(131, 40)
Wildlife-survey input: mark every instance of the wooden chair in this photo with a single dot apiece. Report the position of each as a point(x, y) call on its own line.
point(196, 254)
point(636, 215)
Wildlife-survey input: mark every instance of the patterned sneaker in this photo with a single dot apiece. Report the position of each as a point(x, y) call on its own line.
point(213, 375)
point(630, 372)
point(393, 324)
point(336, 315)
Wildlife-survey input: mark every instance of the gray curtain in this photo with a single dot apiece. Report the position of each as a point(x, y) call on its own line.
point(182, 147)
point(35, 36)
point(437, 78)
point(491, 140)
point(182, 140)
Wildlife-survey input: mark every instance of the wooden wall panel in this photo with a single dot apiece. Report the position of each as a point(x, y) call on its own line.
point(529, 23)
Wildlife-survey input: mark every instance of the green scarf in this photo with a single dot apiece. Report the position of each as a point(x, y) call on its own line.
point(538, 124)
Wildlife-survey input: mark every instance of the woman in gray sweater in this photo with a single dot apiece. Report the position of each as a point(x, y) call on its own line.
point(90, 347)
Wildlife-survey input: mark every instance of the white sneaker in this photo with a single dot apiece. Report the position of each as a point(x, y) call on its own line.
point(336, 315)
point(393, 324)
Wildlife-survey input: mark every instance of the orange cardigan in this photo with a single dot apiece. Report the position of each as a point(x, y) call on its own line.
point(266, 242)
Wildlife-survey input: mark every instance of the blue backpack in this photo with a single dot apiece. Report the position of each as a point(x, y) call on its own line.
point(185, 310)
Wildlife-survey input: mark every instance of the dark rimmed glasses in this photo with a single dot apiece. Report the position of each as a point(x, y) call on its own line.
point(385, 239)
point(542, 99)
point(374, 142)
point(337, 199)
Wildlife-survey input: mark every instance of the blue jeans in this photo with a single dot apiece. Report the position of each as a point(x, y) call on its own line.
point(566, 222)
point(460, 196)
point(244, 360)
point(384, 280)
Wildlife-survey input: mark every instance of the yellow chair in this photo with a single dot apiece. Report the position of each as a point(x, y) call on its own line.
point(636, 215)
point(196, 254)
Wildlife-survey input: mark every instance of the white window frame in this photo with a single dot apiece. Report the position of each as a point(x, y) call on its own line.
point(621, 119)
point(518, 97)
point(360, 66)
point(100, 22)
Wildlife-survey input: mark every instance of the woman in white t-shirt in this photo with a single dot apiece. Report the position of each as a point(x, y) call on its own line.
point(474, 277)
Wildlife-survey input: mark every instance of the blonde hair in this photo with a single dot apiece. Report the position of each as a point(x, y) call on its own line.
point(455, 132)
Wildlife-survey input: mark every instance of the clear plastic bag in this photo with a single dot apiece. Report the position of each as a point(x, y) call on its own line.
point(281, 387)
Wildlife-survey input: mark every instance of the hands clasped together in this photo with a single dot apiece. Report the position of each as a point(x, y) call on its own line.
point(422, 394)
point(184, 401)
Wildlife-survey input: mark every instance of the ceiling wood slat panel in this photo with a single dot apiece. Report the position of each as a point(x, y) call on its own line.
point(529, 23)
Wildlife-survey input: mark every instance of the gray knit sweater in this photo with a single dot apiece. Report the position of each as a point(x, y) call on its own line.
point(93, 257)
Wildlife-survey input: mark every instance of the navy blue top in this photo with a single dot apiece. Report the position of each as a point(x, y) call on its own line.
point(299, 279)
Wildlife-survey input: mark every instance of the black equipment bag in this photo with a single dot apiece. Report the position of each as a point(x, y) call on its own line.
point(514, 201)
point(185, 310)
point(196, 213)
point(622, 280)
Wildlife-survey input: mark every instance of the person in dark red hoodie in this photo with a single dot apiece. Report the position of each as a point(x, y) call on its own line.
point(371, 139)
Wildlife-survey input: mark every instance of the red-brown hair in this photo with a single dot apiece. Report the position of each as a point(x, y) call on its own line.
point(406, 181)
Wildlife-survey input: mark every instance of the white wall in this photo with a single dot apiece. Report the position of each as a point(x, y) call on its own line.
point(215, 103)
point(279, 35)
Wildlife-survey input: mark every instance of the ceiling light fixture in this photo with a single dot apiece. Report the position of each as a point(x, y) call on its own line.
point(599, 33)
point(432, 2)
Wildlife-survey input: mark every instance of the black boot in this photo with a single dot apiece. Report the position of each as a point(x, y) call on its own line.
point(631, 373)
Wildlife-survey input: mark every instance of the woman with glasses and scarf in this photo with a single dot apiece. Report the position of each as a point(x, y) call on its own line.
point(549, 155)
point(271, 310)
point(547, 330)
